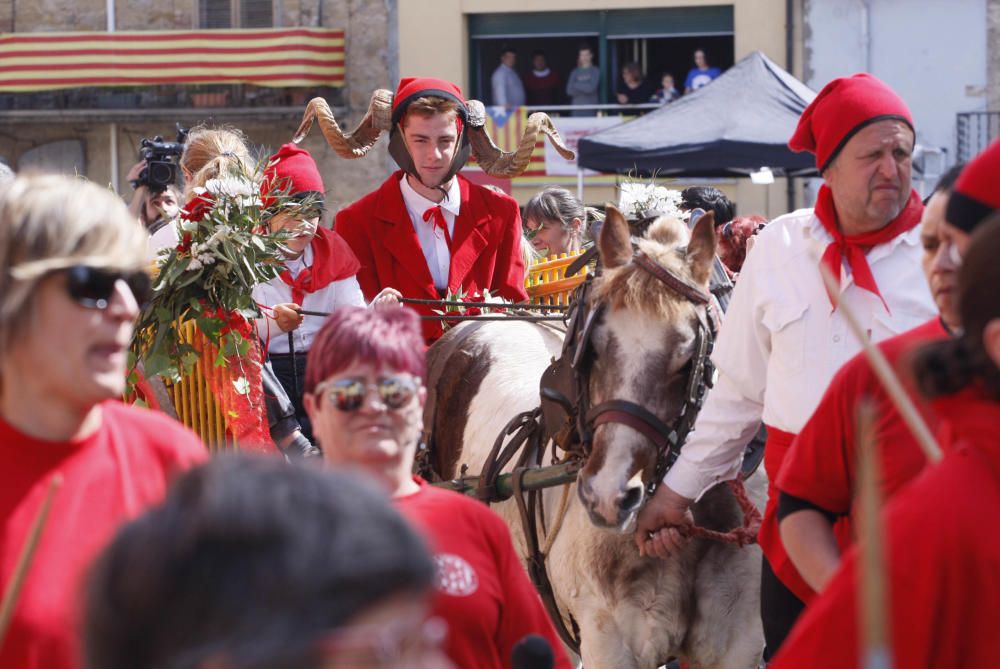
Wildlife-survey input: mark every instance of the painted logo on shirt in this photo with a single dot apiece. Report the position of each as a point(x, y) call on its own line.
point(455, 576)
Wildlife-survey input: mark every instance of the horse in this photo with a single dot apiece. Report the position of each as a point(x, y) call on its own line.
point(632, 612)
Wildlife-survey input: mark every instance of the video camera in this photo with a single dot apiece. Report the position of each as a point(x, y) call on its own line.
point(162, 161)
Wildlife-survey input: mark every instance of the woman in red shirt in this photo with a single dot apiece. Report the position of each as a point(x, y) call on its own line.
point(364, 392)
point(72, 277)
point(943, 556)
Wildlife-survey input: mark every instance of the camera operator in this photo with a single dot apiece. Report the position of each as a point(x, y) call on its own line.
point(156, 211)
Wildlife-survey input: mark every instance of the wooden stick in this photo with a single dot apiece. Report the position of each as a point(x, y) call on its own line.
point(20, 572)
point(874, 614)
point(883, 370)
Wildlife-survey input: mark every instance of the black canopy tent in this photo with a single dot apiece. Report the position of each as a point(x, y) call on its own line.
point(734, 126)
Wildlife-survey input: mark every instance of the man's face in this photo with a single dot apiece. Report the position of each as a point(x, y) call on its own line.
point(870, 177)
point(585, 58)
point(699, 59)
point(432, 141)
point(162, 204)
point(509, 59)
point(538, 61)
point(938, 259)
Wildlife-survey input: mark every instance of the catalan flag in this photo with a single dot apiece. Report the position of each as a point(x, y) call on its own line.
point(264, 57)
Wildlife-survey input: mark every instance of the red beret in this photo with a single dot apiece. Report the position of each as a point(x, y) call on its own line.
point(411, 88)
point(293, 168)
point(976, 194)
point(842, 108)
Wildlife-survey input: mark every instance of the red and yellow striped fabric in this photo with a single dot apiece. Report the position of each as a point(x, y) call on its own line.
point(264, 57)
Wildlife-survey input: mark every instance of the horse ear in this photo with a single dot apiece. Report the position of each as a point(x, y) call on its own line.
point(701, 248)
point(615, 242)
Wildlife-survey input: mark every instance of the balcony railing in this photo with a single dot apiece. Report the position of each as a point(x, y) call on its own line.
point(975, 131)
point(167, 97)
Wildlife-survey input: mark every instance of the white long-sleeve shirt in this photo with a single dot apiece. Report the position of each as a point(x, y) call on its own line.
point(342, 293)
point(781, 343)
point(432, 239)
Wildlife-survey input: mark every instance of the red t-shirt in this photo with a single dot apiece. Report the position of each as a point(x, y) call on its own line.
point(943, 561)
point(482, 590)
point(820, 464)
point(108, 477)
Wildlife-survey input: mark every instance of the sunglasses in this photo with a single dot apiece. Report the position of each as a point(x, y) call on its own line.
point(395, 392)
point(93, 287)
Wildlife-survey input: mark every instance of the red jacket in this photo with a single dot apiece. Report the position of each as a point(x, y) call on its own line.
point(486, 254)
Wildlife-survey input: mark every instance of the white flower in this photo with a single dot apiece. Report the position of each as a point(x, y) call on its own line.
point(638, 199)
point(221, 232)
point(188, 226)
point(231, 186)
point(194, 265)
point(206, 258)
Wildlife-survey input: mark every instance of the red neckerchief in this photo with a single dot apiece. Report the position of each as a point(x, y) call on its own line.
point(333, 260)
point(439, 222)
point(853, 248)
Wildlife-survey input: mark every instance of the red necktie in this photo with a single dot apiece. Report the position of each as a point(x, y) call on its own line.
point(439, 222)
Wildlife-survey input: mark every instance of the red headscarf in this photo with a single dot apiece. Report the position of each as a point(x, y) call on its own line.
point(842, 108)
point(976, 194)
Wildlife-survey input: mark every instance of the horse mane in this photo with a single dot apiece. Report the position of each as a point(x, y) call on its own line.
point(631, 288)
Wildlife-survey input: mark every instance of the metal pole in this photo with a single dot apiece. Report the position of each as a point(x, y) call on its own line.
point(534, 479)
point(579, 184)
point(114, 126)
point(114, 157)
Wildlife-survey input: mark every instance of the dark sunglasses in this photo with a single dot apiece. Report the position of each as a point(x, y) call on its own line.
point(93, 287)
point(395, 392)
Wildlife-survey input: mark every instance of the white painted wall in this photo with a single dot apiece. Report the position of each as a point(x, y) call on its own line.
point(932, 52)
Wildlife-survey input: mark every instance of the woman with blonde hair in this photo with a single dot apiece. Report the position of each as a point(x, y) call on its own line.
point(210, 153)
point(72, 278)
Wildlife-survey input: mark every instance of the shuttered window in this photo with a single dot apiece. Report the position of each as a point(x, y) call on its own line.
point(236, 14)
point(215, 14)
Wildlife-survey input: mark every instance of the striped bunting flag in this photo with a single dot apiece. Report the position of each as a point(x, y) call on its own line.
point(264, 57)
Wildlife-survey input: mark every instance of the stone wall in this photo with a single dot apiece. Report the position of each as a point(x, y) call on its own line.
point(371, 60)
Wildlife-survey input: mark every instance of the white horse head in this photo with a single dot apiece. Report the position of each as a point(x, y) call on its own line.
point(643, 351)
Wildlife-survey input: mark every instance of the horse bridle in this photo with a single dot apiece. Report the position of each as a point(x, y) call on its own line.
point(667, 437)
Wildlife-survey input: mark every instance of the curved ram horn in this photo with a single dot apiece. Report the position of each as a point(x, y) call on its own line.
point(498, 163)
point(354, 144)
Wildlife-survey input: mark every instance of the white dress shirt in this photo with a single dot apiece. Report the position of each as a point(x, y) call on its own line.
point(432, 240)
point(342, 293)
point(781, 342)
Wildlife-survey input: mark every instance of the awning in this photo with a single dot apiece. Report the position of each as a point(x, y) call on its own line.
point(306, 57)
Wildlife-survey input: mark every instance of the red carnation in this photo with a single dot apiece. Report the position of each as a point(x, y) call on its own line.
point(197, 207)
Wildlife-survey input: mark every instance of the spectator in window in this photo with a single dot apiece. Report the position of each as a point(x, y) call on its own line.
point(584, 81)
point(701, 74)
point(634, 89)
point(667, 91)
point(541, 84)
point(508, 91)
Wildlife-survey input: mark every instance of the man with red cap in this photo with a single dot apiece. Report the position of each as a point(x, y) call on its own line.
point(319, 271)
point(428, 231)
point(784, 336)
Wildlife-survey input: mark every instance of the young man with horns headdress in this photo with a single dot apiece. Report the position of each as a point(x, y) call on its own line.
point(427, 231)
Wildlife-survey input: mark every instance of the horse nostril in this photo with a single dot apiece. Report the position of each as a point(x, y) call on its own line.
point(631, 499)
